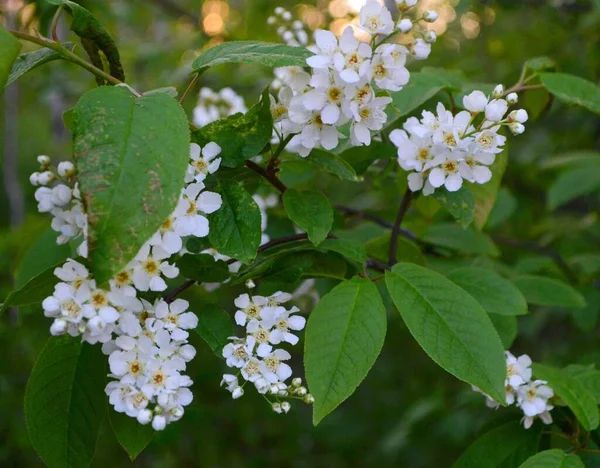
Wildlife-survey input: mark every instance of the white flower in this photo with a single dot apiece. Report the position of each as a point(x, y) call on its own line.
point(405, 25)
point(475, 102)
point(174, 315)
point(148, 269)
point(204, 161)
point(420, 49)
point(533, 397)
point(326, 46)
point(283, 321)
point(352, 61)
point(236, 354)
point(495, 110)
point(273, 369)
point(388, 68)
point(450, 174)
point(376, 18)
point(368, 118)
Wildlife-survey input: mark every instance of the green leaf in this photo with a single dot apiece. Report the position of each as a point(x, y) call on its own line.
point(34, 291)
point(351, 249)
point(131, 435)
point(572, 392)
point(573, 184)
point(203, 268)
point(450, 326)
point(310, 211)
point(407, 251)
point(332, 163)
point(507, 328)
point(361, 157)
point(235, 227)
point(9, 49)
point(131, 156)
point(264, 53)
point(454, 237)
point(504, 208)
point(94, 38)
point(43, 254)
point(344, 336)
point(573, 90)
point(240, 136)
point(572, 160)
point(588, 377)
point(31, 60)
point(65, 402)
point(214, 327)
point(485, 194)
point(554, 458)
point(539, 64)
point(542, 291)
point(587, 318)
point(495, 294)
point(508, 446)
point(459, 204)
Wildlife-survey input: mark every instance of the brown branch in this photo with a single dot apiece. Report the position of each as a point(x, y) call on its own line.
point(268, 175)
point(189, 88)
point(404, 204)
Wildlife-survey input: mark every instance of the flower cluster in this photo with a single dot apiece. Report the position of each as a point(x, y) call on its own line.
point(213, 105)
point(149, 340)
point(267, 323)
point(291, 32)
point(346, 75)
point(443, 149)
point(530, 395)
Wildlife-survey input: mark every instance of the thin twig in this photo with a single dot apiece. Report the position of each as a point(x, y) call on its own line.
point(55, 23)
point(516, 89)
point(554, 255)
point(272, 166)
point(189, 88)
point(377, 220)
point(404, 204)
point(271, 177)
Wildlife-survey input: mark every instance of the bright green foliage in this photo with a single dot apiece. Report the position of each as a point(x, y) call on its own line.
point(572, 392)
point(264, 53)
point(130, 434)
point(459, 204)
point(344, 336)
point(408, 251)
point(31, 60)
point(507, 328)
point(573, 184)
point(33, 292)
point(495, 294)
point(451, 326)
point(350, 249)
point(332, 163)
point(455, 237)
point(539, 290)
point(9, 49)
point(508, 445)
point(203, 268)
point(588, 376)
point(65, 402)
point(573, 90)
point(361, 157)
point(311, 211)
point(131, 156)
point(235, 227)
point(554, 458)
point(214, 327)
point(240, 136)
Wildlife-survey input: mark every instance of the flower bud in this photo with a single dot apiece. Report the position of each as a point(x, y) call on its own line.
point(43, 160)
point(274, 390)
point(475, 102)
point(308, 399)
point(404, 5)
point(176, 413)
point(34, 179)
point(159, 423)
point(144, 416)
point(238, 392)
point(58, 327)
point(286, 15)
point(296, 382)
point(519, 115)
point(287, 36)
point(498, 91)
point(250, 284)
point(61, 195)
point(66, 169)
point(301, 391)
point(405, 25)
point(45, 178)
point(276, 407)
point(271, 20)
point(430, 36)
point(430, 16)
point(285, 406)
point(187, 352)
point(516, 128)
point(495, 110)
point(512, 98)
point(96, 325)
point(279, 10)
point(298, 25)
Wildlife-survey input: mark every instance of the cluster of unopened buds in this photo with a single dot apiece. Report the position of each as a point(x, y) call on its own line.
point(346, 76)
point(444, 149)
point(266, 323)
point(291, 31)
point(531, 396)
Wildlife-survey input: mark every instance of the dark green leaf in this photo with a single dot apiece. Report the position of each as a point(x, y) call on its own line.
point(450, 326)
point(485, 194)
point(573, 184)
point(588, 376)
point(587, 318)
point(332, 163)
point(214, 327)
point(235, 227)
point(539, 64)
point(131, 156)
point(264, 53)
point(407, 251)
point(65, 402)
point(505, 206)
point(9, 49)
point(454, 237)
point(361, 157)
point(131, 435)
point(240, 136)
point(554, 458)
point(310, 211)
point(348, 248)
point(34, 292)
point(507, 446)
point(572, 392)
point(344, 336)
point(507, 328)
point(203, 268)
point(495, 294)
point(543, 291)
point(459, 204)
point(31, 60)
point(573, 90)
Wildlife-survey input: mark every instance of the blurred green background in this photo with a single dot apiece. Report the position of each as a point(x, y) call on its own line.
point(408, 412)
